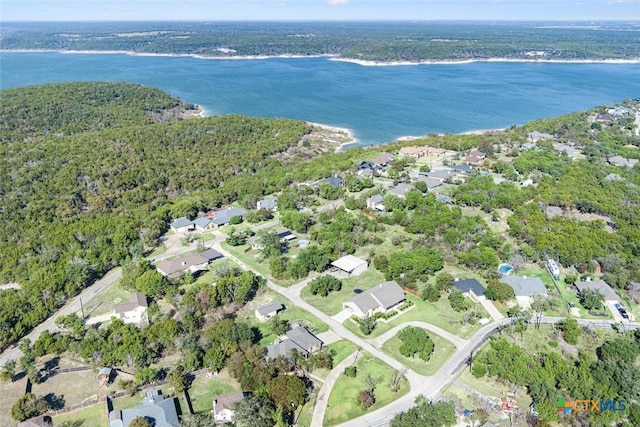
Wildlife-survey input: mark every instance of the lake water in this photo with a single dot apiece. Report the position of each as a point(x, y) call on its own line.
point(378, 104)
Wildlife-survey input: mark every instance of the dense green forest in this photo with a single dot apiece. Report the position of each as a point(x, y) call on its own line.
point(377, 41)
point(75, 206)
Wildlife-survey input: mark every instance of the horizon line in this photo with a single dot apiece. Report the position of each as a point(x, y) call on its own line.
point(634, 20)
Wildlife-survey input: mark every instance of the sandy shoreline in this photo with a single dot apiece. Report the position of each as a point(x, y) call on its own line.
point(347, 131)
point(365, 63)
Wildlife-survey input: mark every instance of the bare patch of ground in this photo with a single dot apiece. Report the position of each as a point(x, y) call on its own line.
point(321, 139)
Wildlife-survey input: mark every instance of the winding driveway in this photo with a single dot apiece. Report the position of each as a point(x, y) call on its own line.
point(323, 395)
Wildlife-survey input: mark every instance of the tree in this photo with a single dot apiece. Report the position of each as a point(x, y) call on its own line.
point(431, 293)
point(415, 341)
point(426, 414)
point(254, 410)
point(366, 399)
point(278, 325)
point(591, 299)
point(324, 285)
point(287, 392)
point(8, 371)
point(370, 383)
point(498, 291)
point(271, 244)
point(444, 280)
point(457, 300)
point(570, 329)
point(396, 377)
point(140, 422)
point(29, 406)
point(152, 283)
point(367, 324)
point(178, 379)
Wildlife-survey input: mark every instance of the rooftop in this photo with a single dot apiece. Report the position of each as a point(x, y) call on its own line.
point(136, 300)
point(385, 295)
point(270, 308)
point(466, 285)
point(348, 263)
point(601, 286)
point(524, 286)
point(227, 401)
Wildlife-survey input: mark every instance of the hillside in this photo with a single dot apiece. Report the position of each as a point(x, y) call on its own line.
point(75, 206)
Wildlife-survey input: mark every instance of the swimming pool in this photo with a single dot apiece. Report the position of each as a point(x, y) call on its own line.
point(505, 268)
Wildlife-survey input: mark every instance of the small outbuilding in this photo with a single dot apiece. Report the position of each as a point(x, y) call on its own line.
point(266, 312)
point(351, 265)
point(104, 376)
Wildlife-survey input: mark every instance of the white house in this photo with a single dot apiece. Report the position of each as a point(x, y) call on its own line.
point(380, 299)
point(268, 204)
point(223, 406)
point(351, 265)
point(181, 225)
point(133, 312)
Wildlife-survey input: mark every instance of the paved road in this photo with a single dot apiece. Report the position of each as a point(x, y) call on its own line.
point(454, 339)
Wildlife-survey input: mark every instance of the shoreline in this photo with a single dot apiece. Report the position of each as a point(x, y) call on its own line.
point(332, 57)
point(340, 148)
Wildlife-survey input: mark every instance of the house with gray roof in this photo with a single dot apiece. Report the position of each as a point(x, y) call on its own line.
point(525, 288)
point(431, 182)
point(202, 223)
point(536, 136)
point(224, 406)
point(334, 181)
point(211, 255)
point(380, 299)
point(224, 216)
point(174, 267)
point(266, 312)
point(375, 203)
point(610, 296)
point(466, 169)
point(268, 204)
point(298, 339)
point(440, 174)
point(182, 224)
point(572, 152)
point(160, 411)
point(401, 190)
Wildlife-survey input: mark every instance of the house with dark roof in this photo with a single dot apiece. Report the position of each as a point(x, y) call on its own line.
point(224, 406)
point(134, 311)
point(298, 339)
point(160, 411)
point(211, 255)
point(268, 204)
point(182, 224)
point(380, 299)
point(224, 216)
point(39, 421)
point(470, 287)
point(465, 169)
point(335, 181)
point(266, 312)
point(382, 160)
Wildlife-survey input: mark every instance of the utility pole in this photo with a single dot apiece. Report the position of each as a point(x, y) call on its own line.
point(81, 308)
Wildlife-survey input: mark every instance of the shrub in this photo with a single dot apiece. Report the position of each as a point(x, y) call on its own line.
point(351, 371)
point(479, 370)
point(324, 285)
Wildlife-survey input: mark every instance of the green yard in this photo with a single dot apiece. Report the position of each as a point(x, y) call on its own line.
point(105, 301)
point(205, 388)
point(342, 349)
point(96, 415)
point(343, 405)
point(443, 349)
point(293, 314)
point(332, 304)
point(439, 314)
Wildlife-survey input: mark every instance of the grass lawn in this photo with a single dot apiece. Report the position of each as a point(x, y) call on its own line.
point(105, 301)
point(95, 415)
point(292, 314)
point(205, 388)
point(443, 349)
point(342, 349)
point(250, 259)
point(332, 304)
point(439, 314)
point(305, 413)
point(343, 406)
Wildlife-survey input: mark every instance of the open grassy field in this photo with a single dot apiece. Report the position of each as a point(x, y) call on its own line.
point(105, 301)
point(442, 350)
point(343, 405)
point(332, 304)
point(96, 415)
point(439, 314)
point(342, 349)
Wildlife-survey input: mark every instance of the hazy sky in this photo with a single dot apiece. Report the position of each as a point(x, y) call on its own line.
point(136, 10)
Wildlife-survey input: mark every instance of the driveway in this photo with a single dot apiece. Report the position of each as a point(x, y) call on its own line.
point(491, 309)
point(343, 315)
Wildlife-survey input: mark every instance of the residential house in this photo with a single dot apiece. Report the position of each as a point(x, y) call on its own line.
point(268, 204)
point(286, 236)
point(365, 173)
point(421, 151)
point(380, 299)
point(160, 411)
point(191, 263)
point(604, 118)
point(475, 156)
point(610, 296)
point(440, 174)
point(298, 339)
point(432, 183)
point(351, 265)
point(536, 136)
point(382, 160)
point(256, 243)
point(464, 169)
point(366, 165)
point(622, 162)
point(39, 421)
point(224, 216)
point(133, 312)
point(202, 223)
point(266, 312)
point(470, 287)
point(527, 146)
point(182, 225)
point(571, 151)
point(335, 181)
point(211, 255)
point(525, 288)
point(401, 190)
point(224, 406)
point(526, 182)
point(375, 203)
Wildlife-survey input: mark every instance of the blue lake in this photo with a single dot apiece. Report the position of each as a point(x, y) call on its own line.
point(378, 104)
